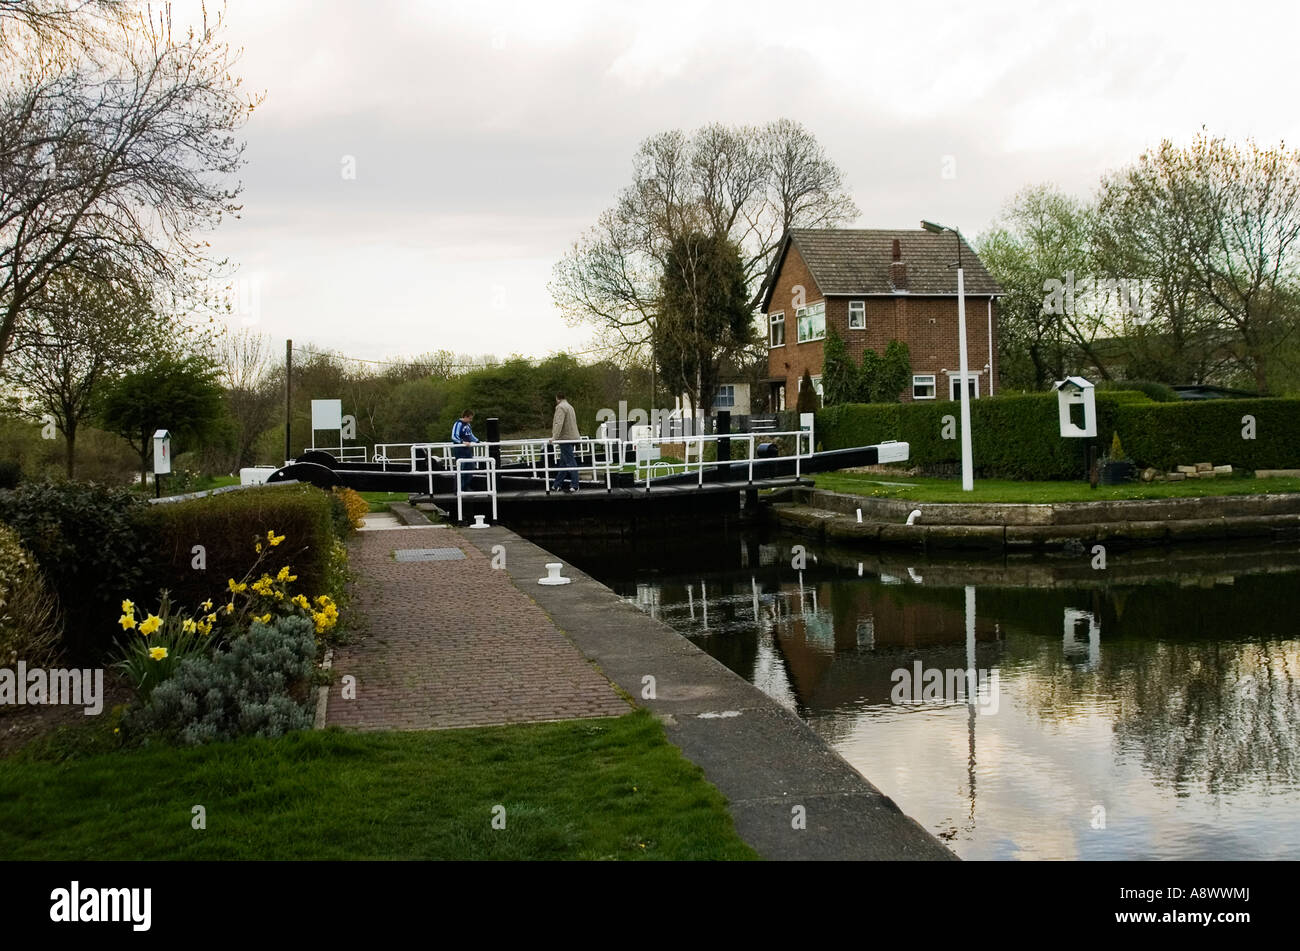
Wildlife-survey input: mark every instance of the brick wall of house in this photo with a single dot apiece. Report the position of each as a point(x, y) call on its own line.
point(928, 325)
point(793, 284)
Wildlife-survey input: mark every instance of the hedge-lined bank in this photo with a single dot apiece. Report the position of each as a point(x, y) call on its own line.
point(97, 546)
point(1018, 437)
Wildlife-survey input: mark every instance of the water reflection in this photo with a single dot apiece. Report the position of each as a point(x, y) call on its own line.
point(1147, 711)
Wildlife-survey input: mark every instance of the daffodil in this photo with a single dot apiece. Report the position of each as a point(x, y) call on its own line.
point(150, 624)
point(211, 618)
point(189, 626)
point(157, 653)
point(126, 621)
point(230, 607)
point(128, 607)
point(206, 605)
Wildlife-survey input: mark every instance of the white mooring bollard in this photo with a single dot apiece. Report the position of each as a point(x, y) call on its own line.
point(553, 569)
point(480, 522)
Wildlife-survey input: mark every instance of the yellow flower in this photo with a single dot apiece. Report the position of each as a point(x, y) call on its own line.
point(209, 619)
point(259, 547)
point(301, 601)
point(150, 624)
point(206, 605)
point(230, 607)
point(236, 588)
point(128, 607)
point(273, 538)
point(265, 618)
point(157, 653)
point(282, 575)
point(189, 626)
point(126, 621)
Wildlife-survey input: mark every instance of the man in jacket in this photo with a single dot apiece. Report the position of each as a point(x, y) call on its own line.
point(564, 430)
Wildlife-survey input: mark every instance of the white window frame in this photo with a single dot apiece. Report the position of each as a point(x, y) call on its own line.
point(861, 312)
point(775, 320)
point(933, 384)
point(730, 390)
point(802, 314)
point(954, 394)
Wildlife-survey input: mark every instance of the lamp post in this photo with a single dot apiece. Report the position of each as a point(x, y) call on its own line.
point(967, 464)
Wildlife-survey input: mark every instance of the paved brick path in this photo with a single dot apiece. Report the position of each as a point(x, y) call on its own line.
point(455, 644)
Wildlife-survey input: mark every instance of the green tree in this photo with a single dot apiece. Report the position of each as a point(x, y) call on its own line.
point(704, 316)
point(895, 373)
point(180, 394)
point(839, 372)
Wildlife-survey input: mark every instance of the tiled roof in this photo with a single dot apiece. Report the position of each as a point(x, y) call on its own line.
point(856, 261)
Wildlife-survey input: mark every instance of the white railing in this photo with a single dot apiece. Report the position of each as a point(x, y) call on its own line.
point(603, 457)
point(749, 440)
point(473, 466)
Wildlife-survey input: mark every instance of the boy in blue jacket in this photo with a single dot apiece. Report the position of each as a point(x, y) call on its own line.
point(463, 436)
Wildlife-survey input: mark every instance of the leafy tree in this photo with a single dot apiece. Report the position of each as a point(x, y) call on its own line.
point(840, 375)
point(704, 316)
point(83, 327)
point(180, 394)
point(895, 373)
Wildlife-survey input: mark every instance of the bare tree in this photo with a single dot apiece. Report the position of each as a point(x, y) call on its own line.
point(116, 156)
point(252, 394)
point(745, 184)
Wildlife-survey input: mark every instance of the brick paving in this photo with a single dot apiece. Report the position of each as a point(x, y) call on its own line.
point(455, 644)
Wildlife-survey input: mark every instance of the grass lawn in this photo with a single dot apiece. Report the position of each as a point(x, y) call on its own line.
point(1003, 490)
point(379, 500)
point(589, 789)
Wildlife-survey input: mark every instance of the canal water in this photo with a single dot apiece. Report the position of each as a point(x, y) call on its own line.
point(1044, 708)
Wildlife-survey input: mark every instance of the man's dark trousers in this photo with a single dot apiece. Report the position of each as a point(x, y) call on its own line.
point(568, 466)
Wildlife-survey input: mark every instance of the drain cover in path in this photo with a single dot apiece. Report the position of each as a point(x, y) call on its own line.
point(429, 554)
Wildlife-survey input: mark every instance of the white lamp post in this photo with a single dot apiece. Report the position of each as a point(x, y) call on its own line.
point(967, 463)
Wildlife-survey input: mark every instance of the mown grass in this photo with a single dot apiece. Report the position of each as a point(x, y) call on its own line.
point(1001, 490)
point(378, 501)
point(588, 789)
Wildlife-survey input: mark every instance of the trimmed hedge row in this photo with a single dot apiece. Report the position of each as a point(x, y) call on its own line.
point(1018, 437)
point(1165, 435)
point(226, 525)
point(98, 546)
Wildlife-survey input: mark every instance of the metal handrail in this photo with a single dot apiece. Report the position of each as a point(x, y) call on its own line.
point(490, 466)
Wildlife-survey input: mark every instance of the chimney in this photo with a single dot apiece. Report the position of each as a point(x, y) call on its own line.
point(897, 269)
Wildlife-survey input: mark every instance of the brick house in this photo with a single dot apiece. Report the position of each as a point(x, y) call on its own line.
point(873, 286)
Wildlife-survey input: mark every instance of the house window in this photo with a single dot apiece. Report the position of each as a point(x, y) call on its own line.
point(778, 330)
point(726, 398)
point(857, 315)
point(972, 386)
point(923, 387)
point(812, 322)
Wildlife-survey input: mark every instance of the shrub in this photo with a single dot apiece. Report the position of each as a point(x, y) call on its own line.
point(225, 524)
point(256, 688)
point(88, 541)
point(29, 617)
point(354, 507)
point(1165, 435)
point(1156, 392)
point(11, 473)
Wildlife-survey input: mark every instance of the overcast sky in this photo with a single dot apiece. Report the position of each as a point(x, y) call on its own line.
point(487, 137)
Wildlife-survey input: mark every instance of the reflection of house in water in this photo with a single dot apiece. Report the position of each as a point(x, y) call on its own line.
point(846, 653)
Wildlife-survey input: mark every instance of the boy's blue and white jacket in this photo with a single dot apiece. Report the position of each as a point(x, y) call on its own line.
point(462, 431)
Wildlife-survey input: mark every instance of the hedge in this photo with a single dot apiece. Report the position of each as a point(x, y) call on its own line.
point(1018, 437)
point(226, 525)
